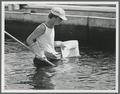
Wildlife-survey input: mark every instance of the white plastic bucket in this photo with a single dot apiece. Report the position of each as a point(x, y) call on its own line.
point(71, 49)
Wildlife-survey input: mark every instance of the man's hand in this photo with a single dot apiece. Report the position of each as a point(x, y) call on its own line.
point(53, 56)
point(59, 44)
point(58, 55)
point(62, 45)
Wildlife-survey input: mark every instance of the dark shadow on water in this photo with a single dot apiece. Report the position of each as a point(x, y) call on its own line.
point(41, 78)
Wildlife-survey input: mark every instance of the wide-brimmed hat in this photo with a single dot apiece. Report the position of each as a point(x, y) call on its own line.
point(58, 12)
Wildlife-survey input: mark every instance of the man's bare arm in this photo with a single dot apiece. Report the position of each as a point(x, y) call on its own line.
point(40, 30)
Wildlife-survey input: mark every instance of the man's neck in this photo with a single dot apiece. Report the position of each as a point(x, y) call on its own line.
point(49, 24)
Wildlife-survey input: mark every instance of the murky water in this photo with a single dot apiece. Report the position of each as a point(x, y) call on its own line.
point(94, 70)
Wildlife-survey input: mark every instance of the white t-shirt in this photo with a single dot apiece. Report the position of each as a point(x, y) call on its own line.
point(45, 42)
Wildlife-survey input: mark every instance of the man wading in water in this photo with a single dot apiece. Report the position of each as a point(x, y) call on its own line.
point(41, 40)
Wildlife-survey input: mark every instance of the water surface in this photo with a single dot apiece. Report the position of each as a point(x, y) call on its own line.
point(94, 70)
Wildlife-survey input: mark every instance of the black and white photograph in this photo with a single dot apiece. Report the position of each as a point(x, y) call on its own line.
point(59, 46)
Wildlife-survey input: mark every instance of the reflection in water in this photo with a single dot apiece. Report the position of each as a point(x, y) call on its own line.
point(41, 79)
point(95, 70)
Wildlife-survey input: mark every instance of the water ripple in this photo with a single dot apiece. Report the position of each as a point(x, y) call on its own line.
point(94, 70)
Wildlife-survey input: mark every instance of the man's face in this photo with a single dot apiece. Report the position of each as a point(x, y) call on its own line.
point(58, 21)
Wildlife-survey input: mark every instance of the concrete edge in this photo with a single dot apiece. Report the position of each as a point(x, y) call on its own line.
point(91, 21)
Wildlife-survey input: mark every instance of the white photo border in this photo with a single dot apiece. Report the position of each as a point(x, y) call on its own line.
point(57, 91)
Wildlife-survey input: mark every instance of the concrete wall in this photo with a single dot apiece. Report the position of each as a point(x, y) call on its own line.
point(76, 9)
point(104, 22)
point(90, 31)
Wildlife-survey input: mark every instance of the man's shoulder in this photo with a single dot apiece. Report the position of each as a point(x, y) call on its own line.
point(41, 26)
point(40, 29)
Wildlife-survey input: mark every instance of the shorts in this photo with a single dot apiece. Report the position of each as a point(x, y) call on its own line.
point(38, 62)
